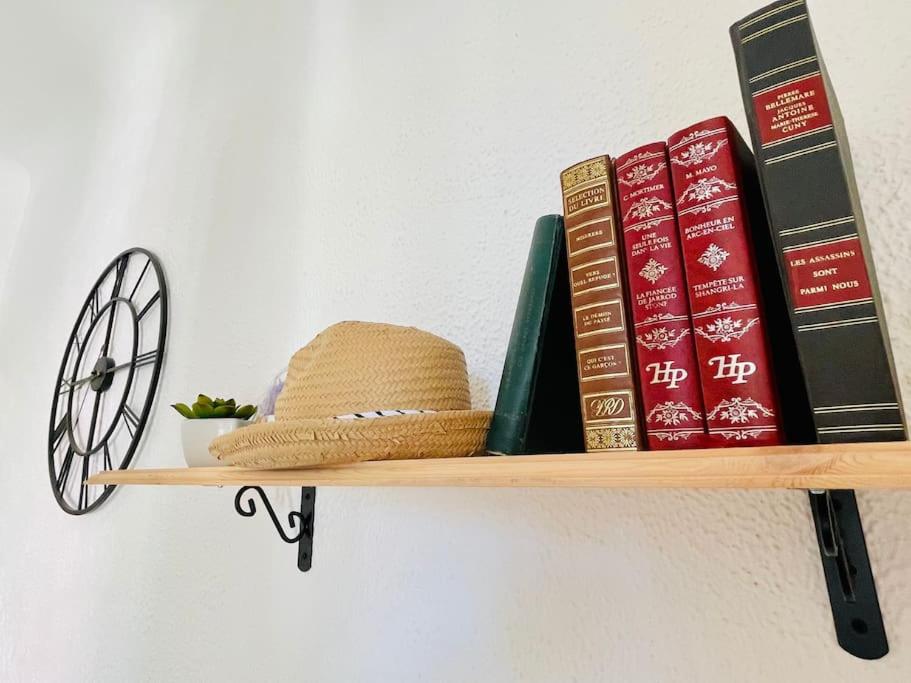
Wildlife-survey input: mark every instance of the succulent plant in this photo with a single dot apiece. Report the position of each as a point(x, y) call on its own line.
point(208, 408)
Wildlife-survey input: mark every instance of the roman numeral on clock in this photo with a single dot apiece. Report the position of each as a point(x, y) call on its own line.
point(65, 466)
point(130, 419)
point(59, 431)
point(145, 309)
point(83, 489)
point(146, 358)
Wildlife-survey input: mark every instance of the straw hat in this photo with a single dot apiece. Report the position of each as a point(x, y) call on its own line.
point(365, 391)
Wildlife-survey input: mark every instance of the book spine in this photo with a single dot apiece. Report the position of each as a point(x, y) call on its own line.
point(665, 351)
point(817, 227)
point(606, 389)
point(536, 410)
point(730, 331)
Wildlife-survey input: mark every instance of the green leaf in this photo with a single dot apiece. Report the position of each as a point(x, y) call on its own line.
point(230, 402)
point(203, 410)
point(184, 410)
point(244, 412)
point(223, 411)
point(218, 402)
point(205, 400)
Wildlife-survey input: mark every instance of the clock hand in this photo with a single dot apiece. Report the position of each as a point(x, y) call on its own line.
point(94, 375)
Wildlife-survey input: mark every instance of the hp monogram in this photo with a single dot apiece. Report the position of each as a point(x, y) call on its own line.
point(731, 367)
point(666, 373)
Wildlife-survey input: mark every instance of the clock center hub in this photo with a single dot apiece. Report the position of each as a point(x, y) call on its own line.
point(102, 377)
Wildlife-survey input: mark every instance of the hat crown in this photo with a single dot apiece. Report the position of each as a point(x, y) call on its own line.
point(354, 367)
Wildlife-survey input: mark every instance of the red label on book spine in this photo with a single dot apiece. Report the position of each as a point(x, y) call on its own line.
point(665, 349)
point(791, 110)
point(828, 274)
point(736, 371)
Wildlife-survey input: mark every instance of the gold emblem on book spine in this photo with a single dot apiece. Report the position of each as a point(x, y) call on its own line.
point(602, 438)
point(586, 172)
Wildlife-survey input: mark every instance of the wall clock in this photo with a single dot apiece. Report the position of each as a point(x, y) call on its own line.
point(107, 379)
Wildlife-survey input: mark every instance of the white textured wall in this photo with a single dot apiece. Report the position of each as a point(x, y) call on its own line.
point(295, 164)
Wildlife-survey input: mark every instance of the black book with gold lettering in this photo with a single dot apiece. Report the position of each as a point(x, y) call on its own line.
point(817, 227)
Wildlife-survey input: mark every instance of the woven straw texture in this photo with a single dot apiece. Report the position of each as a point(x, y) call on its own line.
point(355, 367)
point(333, 442)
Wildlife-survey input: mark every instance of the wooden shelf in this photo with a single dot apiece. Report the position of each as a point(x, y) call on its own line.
point(831, 466)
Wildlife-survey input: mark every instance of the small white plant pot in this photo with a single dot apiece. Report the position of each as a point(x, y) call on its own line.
point(196, 435)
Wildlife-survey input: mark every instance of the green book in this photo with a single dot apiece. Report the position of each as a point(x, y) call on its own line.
point(538, 409)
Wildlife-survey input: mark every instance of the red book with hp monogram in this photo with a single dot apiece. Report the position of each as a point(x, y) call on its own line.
point(730, 332)
point(662, 327)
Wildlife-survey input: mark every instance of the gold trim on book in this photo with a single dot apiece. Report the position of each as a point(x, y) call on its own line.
point(587, 185)
point(592, 248)
point(783, 141)
point(826, 307)
point(856, 408)
point(818, 243)
point(800, 153)
point(838, 323)
point(815, 226)
point(585, 224)
point(862, 428)
point(591, 207)
point(783, 67)
point(790, 81)
point(770, 13)
point(773, 27)
point(594, 263)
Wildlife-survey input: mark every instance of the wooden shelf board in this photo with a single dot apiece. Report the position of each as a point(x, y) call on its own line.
point(832, 466)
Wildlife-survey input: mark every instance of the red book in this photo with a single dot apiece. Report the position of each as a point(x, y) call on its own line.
point(730, 331)
point(665, 347)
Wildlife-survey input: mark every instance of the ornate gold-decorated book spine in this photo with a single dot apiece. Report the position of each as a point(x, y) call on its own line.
point(600, 323)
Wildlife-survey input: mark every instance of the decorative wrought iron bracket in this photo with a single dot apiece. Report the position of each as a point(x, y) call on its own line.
point(302, 519)
point(849, 578)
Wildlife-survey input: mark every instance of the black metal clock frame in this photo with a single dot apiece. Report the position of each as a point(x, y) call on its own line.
point(102, 376)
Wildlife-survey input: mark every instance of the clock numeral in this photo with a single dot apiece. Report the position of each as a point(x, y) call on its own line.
point(146, 358)
point(118, 276)
point(65, 469)
point(83, 489)
point(95, 304)
point(139, 279)
point(60, 430)
point(130, 419)
point(145, 309)
point(107, 458)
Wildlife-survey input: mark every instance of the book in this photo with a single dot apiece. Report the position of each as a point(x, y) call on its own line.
point(665, 351)
point(735, 363)
point(537, 409)
point(604, 366)
point(817, 227)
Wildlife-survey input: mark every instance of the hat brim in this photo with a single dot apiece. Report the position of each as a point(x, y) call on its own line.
point(312, 443)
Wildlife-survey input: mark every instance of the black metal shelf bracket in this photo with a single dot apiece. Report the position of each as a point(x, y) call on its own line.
point(849, 578)
point(303, 519)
